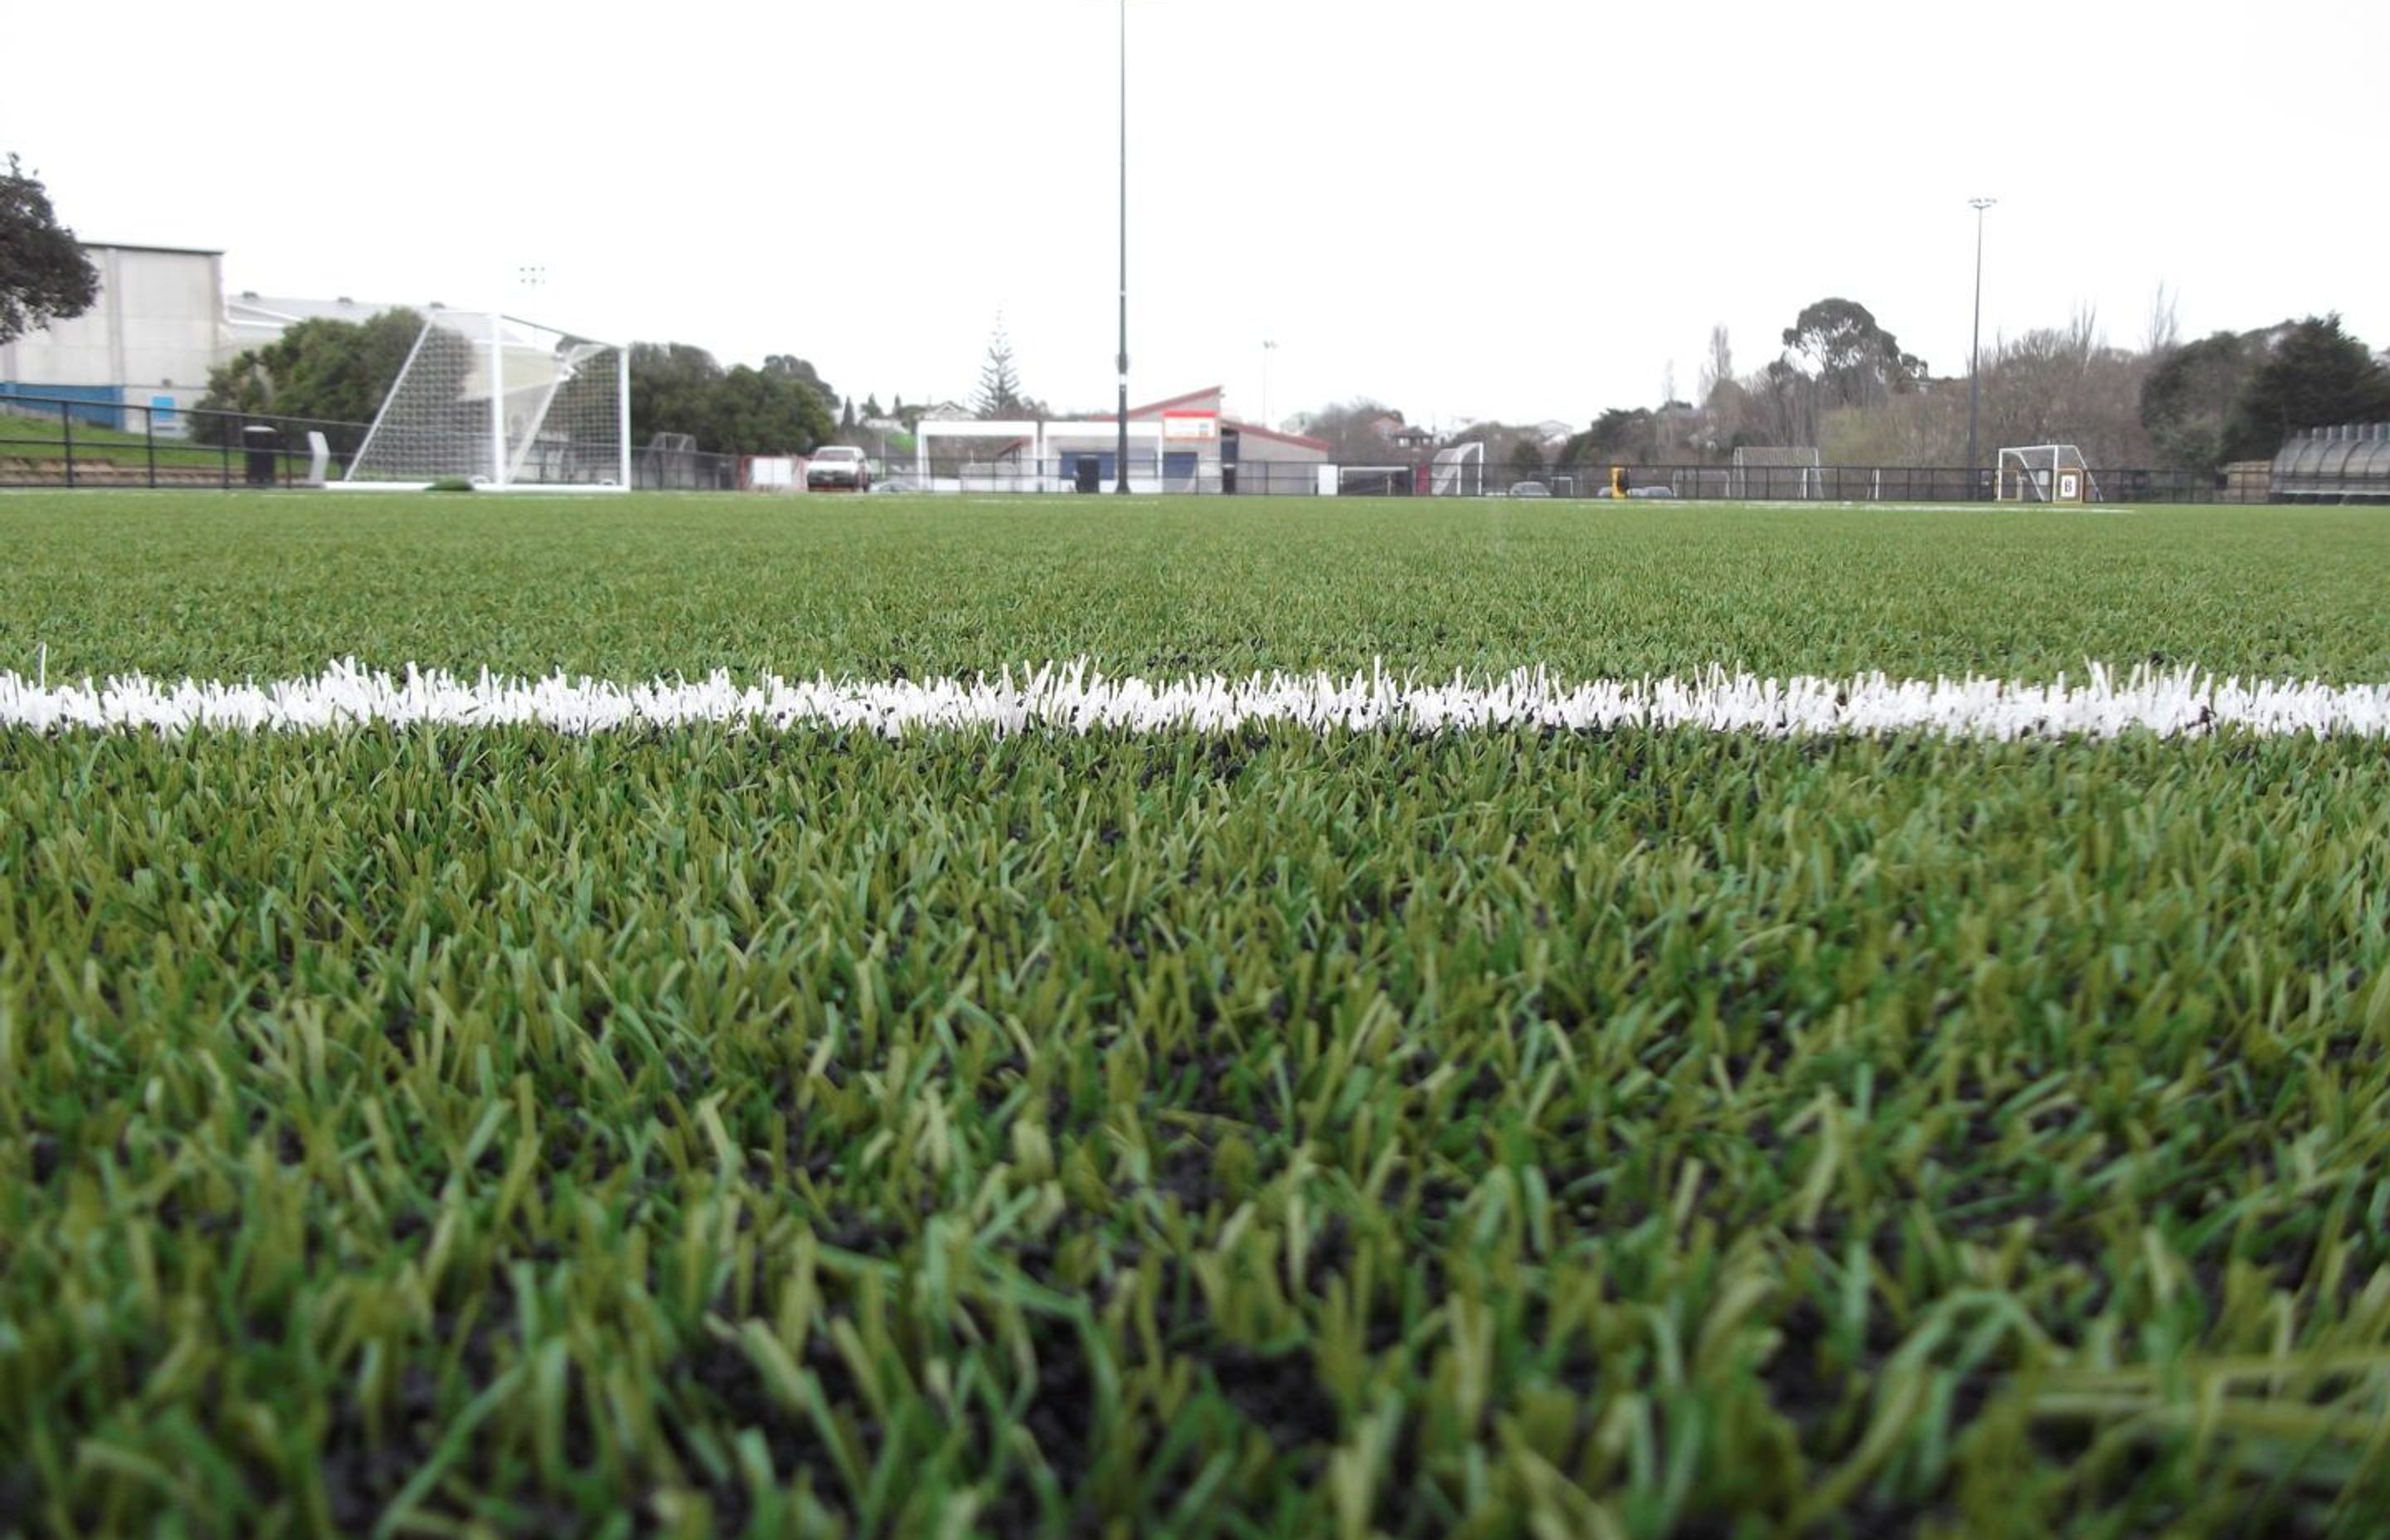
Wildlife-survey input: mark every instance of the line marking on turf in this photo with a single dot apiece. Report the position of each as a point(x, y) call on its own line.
point(1075, 698)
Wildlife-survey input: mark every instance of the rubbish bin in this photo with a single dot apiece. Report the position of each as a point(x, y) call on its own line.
point(260, 441)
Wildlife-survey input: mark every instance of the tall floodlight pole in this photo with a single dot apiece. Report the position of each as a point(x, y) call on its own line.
point(1975, 345)
point(1267, 348)
point(1121, 456)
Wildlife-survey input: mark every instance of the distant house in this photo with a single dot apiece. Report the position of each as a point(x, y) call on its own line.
point(1553, 430)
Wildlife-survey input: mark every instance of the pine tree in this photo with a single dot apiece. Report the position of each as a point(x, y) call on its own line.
point(999, 384)
point(2317, 376)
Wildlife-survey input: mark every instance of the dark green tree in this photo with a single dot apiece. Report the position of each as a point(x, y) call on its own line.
point(672, 384)
point(1527, 459)
point(1854, 360)
point(787, 366)
point(871, 407)
point(749, 412)
point(1620, 436)
point(45, 275)
point(330, 372)
point(2187, 399)
point(2317, 376)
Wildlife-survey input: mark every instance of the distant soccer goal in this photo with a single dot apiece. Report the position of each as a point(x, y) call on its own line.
point(2045, 473)
point(504, 405)
point(1374, 481)
point(1776, 473)
point(1459, 471)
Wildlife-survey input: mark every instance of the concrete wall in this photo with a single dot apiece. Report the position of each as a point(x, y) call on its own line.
point(1274, 468)
point(156, 330)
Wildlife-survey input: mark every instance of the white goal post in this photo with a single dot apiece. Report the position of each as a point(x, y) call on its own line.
point(2045, 473)
point(504, 405)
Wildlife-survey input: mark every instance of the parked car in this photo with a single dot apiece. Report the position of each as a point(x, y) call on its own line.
point(1529, 489)
point(838, 465)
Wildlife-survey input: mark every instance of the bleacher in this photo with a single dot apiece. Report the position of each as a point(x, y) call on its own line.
point(2349, 464)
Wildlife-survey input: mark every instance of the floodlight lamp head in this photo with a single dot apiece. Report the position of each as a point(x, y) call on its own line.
point(1980, 204)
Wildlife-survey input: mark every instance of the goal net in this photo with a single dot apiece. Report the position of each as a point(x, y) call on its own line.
point(1771, 473)
point(1373, 480)
point(1459, 471)
point(504, 405)
point(2045, 473)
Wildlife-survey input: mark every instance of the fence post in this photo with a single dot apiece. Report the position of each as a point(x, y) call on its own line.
point(66, 435)
point(150, 442)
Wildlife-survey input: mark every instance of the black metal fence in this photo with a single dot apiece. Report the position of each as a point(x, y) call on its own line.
point(56, 441)
point(59, 442)
point(1772, 484)
point(70, 441)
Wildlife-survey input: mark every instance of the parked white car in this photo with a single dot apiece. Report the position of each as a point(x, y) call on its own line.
point(838, 465)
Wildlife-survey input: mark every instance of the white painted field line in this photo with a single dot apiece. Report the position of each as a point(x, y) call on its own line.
point(1075, 699)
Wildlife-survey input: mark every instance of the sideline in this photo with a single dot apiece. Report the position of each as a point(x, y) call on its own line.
point(1074, 697)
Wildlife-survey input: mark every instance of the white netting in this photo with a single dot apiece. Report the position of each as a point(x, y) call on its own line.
point(1459, 471)
point(558, 420)
point(2045, 473)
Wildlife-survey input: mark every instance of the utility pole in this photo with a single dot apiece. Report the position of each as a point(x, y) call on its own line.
point(1121, 457)
point(1267, 348)
point(1975, 346)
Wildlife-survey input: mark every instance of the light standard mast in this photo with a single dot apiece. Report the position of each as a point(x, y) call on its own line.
point(1975, 346)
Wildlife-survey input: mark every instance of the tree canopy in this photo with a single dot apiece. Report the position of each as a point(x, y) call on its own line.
point(332, 371)
point(2238, 396)
point(45, 275)
point(2317, 376)
point(1851, 357)
point(2188, 396)
point(783, 407)
point(1621, 435)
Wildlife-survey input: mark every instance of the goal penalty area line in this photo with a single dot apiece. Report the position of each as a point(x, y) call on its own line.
point(1078, 697)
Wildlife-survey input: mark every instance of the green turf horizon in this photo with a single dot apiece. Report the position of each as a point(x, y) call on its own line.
point(273, 584)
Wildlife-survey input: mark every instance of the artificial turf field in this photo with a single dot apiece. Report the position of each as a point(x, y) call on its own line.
point(454, 1130)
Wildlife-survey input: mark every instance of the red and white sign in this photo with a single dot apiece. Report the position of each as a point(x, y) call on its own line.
point(1201, 426)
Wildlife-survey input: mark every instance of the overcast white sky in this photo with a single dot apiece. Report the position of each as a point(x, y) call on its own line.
point(1506, 208)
